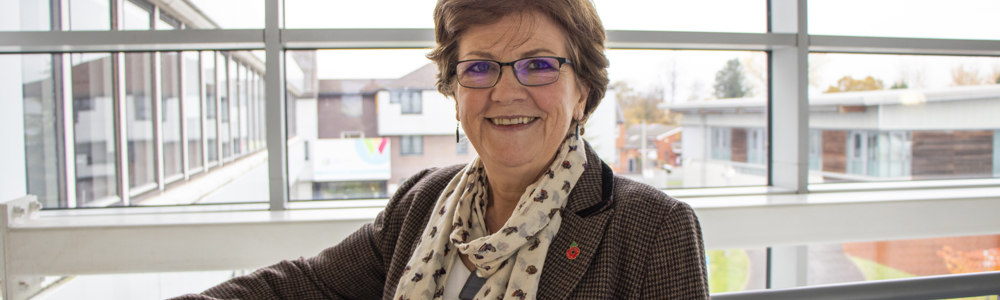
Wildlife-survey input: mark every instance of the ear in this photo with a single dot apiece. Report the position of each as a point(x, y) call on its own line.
point(581, 104)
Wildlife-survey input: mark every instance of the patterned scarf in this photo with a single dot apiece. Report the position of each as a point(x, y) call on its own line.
point(511, 259)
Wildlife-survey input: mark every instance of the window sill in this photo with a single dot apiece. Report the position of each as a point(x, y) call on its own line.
point(247, 236)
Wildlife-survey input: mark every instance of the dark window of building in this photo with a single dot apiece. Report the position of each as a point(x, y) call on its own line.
point(816, 150)
point(351, 106)
point(411, 145)
point(411, 102)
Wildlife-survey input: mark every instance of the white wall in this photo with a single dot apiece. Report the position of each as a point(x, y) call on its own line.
point(437, 117)
point(300, 170)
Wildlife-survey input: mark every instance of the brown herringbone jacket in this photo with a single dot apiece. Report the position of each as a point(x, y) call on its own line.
point(635, 241)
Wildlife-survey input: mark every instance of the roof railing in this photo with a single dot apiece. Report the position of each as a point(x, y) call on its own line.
point(930, 287)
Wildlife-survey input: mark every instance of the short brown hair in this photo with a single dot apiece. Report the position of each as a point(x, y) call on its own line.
point(578, 19)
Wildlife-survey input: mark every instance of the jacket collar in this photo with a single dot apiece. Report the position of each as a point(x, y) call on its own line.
point(583, 223)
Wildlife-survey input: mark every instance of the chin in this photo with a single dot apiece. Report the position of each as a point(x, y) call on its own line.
point(512, 155)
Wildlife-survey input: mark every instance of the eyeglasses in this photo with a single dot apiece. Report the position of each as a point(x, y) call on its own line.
point(529, 71)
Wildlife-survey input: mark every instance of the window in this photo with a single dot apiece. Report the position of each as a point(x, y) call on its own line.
point(903, 117)
point(170, 120)
point(96, 160)
point(104, 122)
point(815, 150)
point(192, 107)
point(210, 91)
point(411, 102)
point(351, 106)
point(721, 141)
point(411, 145)
point(757, 146)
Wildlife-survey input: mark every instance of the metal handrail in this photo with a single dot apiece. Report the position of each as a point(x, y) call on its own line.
point(930, 287)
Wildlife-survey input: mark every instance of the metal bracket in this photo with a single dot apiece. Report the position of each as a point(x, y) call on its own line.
point(16, 212)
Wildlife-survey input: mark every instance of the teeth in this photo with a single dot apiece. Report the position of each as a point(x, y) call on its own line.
point(514, 121)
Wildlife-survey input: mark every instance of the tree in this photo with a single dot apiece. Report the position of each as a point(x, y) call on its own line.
point(899, 86)
point(849, 84)
point(967, 75)
point(638, 106)
point(731, 81)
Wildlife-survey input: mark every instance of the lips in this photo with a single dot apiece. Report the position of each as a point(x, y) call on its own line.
point(512, 121)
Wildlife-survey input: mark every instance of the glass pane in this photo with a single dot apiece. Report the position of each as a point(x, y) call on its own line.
point(94, 130)
point(244, 87)
point(234, 101)
point(679, 15)
point(41, 125)
point(734, 270)
point(89, 15)
point(960, 19)
point(171, 117)
point(348, 154)
point(139, 118)
point(866, 261)
point(705, 116)
point(674, 15)
point(222, 65)
point(133, 286)
point(136, 17)
point(25, 15)
point(231, 14)
point(192, 107)
point(210, 91)
point(903, 117)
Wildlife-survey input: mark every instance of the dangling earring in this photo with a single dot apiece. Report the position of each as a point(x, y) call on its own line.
point(577, 129)
point(456, 132)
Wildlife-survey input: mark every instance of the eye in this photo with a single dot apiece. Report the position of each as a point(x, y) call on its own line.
point(479, 67)
point(539, 64)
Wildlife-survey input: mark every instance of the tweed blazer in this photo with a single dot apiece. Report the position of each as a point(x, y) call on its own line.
point(635, 243)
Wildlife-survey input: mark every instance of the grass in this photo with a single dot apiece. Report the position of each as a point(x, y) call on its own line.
point(727, 270)
point(875, 271)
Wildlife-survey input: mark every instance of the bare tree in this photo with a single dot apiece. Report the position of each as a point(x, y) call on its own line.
point(966, 75)
point(816, 63)
point(755, 67)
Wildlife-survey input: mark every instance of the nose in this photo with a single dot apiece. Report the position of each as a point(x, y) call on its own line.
point(508, 89)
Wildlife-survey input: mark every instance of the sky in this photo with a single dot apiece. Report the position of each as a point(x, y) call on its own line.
point(963, 19)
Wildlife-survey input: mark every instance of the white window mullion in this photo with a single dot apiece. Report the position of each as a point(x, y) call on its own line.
point(68, 142)
point(277, 161)
point(158, 118)
point(788, 116)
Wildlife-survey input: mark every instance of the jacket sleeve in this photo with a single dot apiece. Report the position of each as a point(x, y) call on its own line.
point(353, 269)
point(676, 268)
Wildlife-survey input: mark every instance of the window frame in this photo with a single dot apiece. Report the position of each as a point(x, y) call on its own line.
point(787, 43)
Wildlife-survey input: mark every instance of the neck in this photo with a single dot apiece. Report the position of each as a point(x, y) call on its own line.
point(506, 188)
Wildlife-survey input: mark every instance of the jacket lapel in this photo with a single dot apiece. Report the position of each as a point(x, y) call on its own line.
point(583, 223)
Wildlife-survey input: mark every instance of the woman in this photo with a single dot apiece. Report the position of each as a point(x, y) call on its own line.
point(537, 214)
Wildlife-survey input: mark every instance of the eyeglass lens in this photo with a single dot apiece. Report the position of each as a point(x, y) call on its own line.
point(530, 71)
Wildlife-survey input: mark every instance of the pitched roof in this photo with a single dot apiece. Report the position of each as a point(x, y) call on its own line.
point(424, 78)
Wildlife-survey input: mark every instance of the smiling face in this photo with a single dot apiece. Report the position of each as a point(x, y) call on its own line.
point(515, 127)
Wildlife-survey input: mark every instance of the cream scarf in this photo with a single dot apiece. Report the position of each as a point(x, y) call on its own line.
point(511, 259)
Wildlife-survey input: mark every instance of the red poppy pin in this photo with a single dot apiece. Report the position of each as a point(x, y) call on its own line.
point(573, 251)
